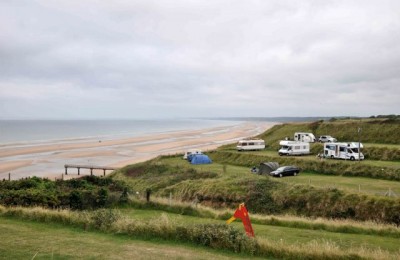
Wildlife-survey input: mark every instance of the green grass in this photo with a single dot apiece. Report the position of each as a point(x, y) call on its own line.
point(274, 154)
point(277, 241)
point(350, 184)
point(288, 235)
point(27, 240)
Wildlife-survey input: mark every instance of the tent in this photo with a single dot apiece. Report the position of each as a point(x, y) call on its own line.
point(190, 156)
point(267, 167)
point(200, 159)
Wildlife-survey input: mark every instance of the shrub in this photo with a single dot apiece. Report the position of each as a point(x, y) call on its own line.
point(103, 218)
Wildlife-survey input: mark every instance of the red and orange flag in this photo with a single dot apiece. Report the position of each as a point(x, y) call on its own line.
point(243, 214)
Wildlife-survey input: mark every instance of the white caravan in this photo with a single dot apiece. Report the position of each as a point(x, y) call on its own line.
point(294, 148)
point(304, 137)
point(347, 151)
point(249, 145)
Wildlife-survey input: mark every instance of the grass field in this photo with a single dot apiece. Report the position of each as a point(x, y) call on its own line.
point(389, 164)
point(350, 184)
point(286, 235)
point(32, 240)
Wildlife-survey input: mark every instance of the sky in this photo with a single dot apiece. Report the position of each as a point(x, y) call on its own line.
point(69, 59)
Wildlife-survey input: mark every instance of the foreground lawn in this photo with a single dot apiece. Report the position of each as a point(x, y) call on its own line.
point(286, 235)
point(32, 240)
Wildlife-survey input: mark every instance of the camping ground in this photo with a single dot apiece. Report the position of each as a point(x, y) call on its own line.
point(334, 209)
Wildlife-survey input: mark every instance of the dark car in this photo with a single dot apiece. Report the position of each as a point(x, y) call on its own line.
point(285, 171)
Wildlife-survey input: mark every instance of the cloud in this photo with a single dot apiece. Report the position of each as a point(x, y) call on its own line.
point(199, 58)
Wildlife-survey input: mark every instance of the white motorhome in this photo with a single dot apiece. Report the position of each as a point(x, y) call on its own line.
point(304, 137)
point(250, 145)
point(347, 151)
point(294, 148)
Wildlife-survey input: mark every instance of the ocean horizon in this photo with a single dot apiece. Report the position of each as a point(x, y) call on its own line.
point(38, 131)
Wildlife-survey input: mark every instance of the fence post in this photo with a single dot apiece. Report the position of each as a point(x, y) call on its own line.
point(9, 176)
point(148, 192)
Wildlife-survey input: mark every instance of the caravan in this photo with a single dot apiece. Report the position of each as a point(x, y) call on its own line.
point(347, 151)
point(304, 137)
point(252, 144)
point(294, 148)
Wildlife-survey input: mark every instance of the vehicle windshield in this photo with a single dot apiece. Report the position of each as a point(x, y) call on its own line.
point(280, 169)
point(285, 147)
point(353, 150)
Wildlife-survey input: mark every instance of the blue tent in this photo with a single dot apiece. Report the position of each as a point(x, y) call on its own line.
point(190, 156)
point(200, 159)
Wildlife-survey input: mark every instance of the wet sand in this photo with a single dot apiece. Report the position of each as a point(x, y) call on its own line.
point(48, 159)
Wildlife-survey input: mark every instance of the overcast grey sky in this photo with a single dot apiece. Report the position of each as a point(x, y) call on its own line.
point(138, 59)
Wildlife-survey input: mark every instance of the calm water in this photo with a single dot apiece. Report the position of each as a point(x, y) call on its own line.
point(31, 131)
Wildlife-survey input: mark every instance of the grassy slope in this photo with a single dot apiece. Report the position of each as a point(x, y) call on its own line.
point(237, 174)
point(373, 131)
point(380, 137)
point(222, 185)
point(24, 240)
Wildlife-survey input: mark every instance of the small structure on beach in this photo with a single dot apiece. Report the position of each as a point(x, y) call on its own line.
point(91, 167)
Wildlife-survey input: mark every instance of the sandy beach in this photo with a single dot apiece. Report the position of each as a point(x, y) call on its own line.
point(48, 159)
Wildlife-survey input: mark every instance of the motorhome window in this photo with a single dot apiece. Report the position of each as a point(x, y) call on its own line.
point(297, 147)
point(330, 147)
point(251, 143)
point(342, 149)
point(244, 144)
point(349, 150)
point(304, 147)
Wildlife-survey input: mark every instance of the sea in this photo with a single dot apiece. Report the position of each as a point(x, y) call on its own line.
point(40, 131)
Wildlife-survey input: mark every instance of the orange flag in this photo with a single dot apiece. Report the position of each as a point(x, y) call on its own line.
point(243, 214)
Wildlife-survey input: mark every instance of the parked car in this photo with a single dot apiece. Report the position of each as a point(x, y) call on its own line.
point(285, 171)
point(326, 139)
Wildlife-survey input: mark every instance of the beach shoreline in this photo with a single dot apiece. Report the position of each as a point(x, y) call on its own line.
point(47, 160)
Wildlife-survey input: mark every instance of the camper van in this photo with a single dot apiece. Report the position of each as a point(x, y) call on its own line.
point(250, 145)
point(304, 137)
point(347, 151)
point(294, 148)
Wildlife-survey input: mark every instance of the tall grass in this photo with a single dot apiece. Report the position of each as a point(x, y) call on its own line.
point(330, 225)
point(210, 235)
